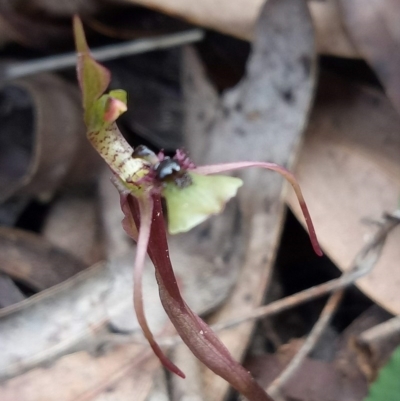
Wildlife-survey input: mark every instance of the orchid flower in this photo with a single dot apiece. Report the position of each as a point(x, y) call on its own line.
point(192, 194)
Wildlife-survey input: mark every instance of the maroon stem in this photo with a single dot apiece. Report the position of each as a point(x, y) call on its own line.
point(196, 334)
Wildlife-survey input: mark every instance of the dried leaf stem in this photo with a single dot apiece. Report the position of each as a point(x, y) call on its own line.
point(363, 264)
point(110, 52)
point(330, 308)
point(381, 332)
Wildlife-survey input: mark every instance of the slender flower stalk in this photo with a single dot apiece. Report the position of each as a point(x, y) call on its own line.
point(192, 194)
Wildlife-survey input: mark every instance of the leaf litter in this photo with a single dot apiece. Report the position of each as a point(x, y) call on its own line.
point(228, 249)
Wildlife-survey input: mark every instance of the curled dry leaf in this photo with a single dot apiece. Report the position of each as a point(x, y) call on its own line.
point(332, 384)
point(342, 142)
point(30, 259)
point(37, 33)
point(38, 115)
point(374, 29)
point(52, 8)
point(262, 118)
point(331, 37)
point(378, 343)
point(238, 18)
point(350, 360)
point(56, 320)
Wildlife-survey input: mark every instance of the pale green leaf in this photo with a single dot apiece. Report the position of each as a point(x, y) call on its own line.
point(206, 196)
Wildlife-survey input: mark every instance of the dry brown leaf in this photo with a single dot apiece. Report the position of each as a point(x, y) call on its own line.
point(37, 33)
point(29, 258)
point(330, 35)
point(314, 381)
point(121, 373)
point(374, 28)
point(349, 169)
point(55, 320)
point(50, 7)
point(72, 314)
point(42, 142)
point(378, 343)
point(342, 379)
point(73, 224)
point(238, 18)
point(262, 118)
point(350, 359)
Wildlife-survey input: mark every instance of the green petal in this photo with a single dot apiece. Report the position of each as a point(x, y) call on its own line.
point(190, 206)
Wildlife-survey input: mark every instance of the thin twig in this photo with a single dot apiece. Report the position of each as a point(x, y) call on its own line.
point(381, 332)
point(377, 242)
point(52, 63)
point(274, 389)
point(364, 262)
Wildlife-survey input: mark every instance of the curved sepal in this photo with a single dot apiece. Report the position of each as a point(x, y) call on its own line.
point(93, 77)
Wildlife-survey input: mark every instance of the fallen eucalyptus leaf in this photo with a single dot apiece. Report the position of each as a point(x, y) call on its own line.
point(238, 18)
point(38, 115)
point(373, 26)
point(262, 118)
point(56, 320)
point(342, 142)
point(118, 373)
point(73, 224)
point(72, 314)
point(32, 260)
point(37, 33)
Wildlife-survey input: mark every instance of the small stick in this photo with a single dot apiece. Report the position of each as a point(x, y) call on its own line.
point(381, 332)
point(21, 69)
point(274, 389)
point(364, 262)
